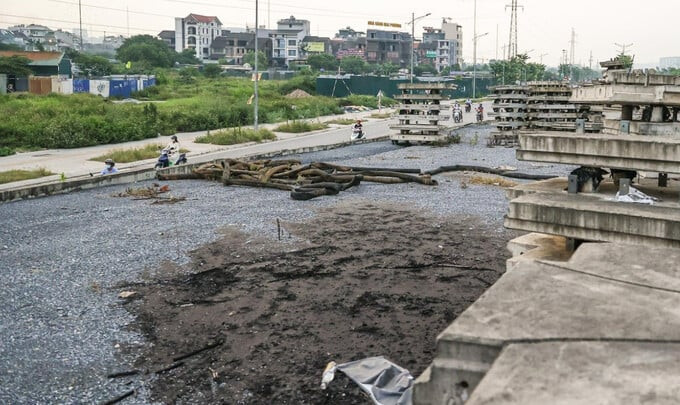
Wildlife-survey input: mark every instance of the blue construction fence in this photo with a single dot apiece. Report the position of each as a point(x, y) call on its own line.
point(344, 85)
point(109, 86)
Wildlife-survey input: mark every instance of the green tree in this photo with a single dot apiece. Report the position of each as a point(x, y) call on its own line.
point(322, 61)
point(627, 60)
point(188, 74)
point(15, 65)
point(10, 47)
point(147, 49)
point(516, 70)
point(92, 65)
point(187, 57)
point(386, 68)
point(212, 70)
point(424, 68)
point(249, 58)
point(353, 65)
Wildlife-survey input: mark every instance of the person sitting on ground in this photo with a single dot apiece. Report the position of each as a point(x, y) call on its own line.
point(110, 167)
point(173, 147)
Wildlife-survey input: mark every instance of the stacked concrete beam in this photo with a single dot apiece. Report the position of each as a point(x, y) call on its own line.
point(629, 144)
point(510, 111)
point(549, 108)
point(420, 112)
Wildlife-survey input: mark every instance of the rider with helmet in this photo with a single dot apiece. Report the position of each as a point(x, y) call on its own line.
point(110, 167)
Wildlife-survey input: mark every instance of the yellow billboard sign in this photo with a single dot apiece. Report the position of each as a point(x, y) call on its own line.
point(384, 24)
point(316, 47)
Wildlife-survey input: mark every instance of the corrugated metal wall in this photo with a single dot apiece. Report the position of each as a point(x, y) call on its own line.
point(342, 86)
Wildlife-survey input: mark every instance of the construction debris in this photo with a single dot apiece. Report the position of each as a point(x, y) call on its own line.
point(297, 93)
point(304, 181)
point(150, 193)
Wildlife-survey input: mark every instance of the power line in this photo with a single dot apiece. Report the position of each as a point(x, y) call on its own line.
point(72, 22)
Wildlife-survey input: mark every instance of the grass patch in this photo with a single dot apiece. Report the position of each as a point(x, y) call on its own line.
point(341, 121)
point(235, 136)
point(134, 154)
point(4, 151)
point(297, 127)
point(491, 181)
point(380, 115)
point(19, 175)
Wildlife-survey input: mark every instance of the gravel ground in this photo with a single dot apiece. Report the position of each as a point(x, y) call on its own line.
point(61, 258)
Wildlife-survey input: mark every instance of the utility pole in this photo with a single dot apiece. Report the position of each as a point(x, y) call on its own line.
point(269, 14)
point(413, 36)
point(541, 57)
point(80, 14)
point(496, 41)
point(127, 13)
point(623, 47)
point(572, 56)
point(590, 61)
point(255, 114)
point(512, 52)
point(474, 53)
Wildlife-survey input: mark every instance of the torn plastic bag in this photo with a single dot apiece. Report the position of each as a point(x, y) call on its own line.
point(385, 382)
point(635, 196)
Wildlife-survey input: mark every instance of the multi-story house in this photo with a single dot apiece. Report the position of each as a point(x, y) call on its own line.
point(388, 46)
point(436, 48)
point(454, 34)
point(286, 40)
point(168, 37)
point(34, 32)
point(232, 46)
point(196, 32)
point(348, 42)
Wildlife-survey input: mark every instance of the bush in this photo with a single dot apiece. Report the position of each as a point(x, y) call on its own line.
point(4, 151)
point(300, 126)
point(235, 136)
point(19, 175)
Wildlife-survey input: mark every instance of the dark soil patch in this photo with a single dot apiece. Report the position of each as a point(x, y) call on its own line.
point(368, 280)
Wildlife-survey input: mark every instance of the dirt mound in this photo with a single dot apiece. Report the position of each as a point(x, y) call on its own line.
point(366, 280)
point(298, 94)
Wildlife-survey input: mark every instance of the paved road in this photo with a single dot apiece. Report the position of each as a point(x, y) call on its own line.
point(75, 162)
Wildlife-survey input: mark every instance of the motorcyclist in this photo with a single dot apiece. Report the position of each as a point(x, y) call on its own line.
point(457, 111)
point(468, 105)
point(110, 167)
point(173, 147)
point(480, 112)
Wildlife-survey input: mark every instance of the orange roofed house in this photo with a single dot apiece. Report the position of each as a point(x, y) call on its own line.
point(197, 32)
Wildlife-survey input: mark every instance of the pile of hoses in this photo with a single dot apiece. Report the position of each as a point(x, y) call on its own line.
point(304, 181)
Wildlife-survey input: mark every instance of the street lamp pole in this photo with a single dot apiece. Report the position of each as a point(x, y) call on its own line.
point(255, 124)
point(413, 36)
point(474, 62)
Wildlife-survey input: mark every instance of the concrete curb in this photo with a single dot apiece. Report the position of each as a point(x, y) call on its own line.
point(143, 174)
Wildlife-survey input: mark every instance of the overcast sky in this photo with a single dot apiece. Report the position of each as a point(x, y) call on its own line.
point(544, 25)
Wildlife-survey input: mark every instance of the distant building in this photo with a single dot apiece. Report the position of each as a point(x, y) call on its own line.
point(669, 62)
point(168, 37)
point(348, 42)
point(232, 46)
point(197, 32)
point(33, 32)
point(453, 33)
point(10, 38)
point(286, 40)
point(44, 63)
point(388, 46)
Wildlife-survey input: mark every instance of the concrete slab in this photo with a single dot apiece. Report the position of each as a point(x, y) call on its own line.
point(589, 217)
point(574, 373)
point(658, 154)
point(580, 301)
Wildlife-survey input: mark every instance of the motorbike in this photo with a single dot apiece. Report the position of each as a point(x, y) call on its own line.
point(468, 108)
point(480, 115)
point(357, 133)
point(457, 116)
point(164, 160)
